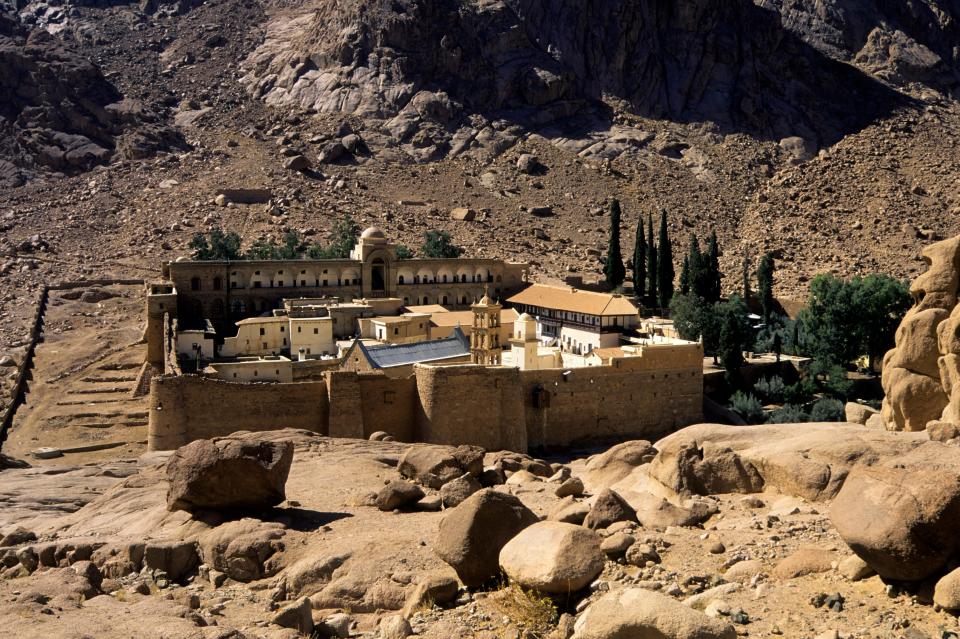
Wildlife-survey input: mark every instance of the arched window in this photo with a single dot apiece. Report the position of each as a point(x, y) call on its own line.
point(194, 283)
point(444, 300)
point(400, 279)
point(217, 283)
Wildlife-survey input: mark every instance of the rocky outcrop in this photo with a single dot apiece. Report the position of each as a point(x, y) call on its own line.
point(438, 76)
point(59, 113)
point(810, 462)
point(921, 374)
point(240, 472)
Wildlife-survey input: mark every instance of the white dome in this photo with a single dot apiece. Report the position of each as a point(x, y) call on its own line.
point(373, 233)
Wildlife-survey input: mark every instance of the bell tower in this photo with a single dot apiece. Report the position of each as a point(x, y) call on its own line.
point(485, 337)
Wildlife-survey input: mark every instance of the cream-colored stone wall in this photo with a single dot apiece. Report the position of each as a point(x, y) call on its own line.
point(270, 369)
point(313, 334)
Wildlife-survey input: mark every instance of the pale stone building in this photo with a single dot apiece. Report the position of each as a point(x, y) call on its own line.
point(485, 345)
point(526, 352)
point(271, 368)
point(580, 321)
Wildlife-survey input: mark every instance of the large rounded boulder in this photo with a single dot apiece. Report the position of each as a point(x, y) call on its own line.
point(553, 557)
point(901, 517)
point(635, 612)
point(471, 535)
point(236, 473)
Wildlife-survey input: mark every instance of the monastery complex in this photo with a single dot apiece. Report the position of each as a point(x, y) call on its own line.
point(453, 351)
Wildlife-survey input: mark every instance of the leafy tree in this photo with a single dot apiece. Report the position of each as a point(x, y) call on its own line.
point(437, 244)
point(292, 248)
point(613, 269)
point(827, 410)
point(665, 272)
point(694, 319)
point(748, 407)
point(765, 285)
point(640, 259)
point(800, 392)
point(261, 249)
point(734, 334)
point(343, 238)
point(220, 246)
point(788, 414)
point(652, 279)
point(697, 277)
point(882, 302)
point(777, 346)
point(404, 252)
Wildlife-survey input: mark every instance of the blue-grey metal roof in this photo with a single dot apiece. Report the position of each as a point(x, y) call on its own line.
point(389, 356)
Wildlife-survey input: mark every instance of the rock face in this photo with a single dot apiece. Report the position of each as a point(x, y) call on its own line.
point(810, 462)
point(553, 557)
point(901, 516)
point(425, 68)
point(240, 472)
point(471, 535)
point(636, 612)
point(921, 374)
point(60, 113)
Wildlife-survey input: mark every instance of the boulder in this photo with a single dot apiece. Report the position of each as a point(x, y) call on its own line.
point(462, 214)
point(901, 516)
point(856, 413)
point(529, 164)
point(609, 467)
point(297, 163)
point(553, 557)
point(433, 466)
point(297, 615)
point(946, 593)
point(608, 508)
point(855, 569)
point(640, 554)
point(394, 627)
point(398, 494)
point(439, 588)
point(806, 561)
point(242, 549)
point(656, 513)
point(942, 431)
point(569, 510)
point(236, 473)
point(176, 558)
point(471, 535)
point(616, 545)
point(635, 612)
point(743, 570)
point(455, 492)
point(570, 486)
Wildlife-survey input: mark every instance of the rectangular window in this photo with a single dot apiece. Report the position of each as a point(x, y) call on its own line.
point(263, 331)
point(283, 329)
point(299, 329)
point(316, 331)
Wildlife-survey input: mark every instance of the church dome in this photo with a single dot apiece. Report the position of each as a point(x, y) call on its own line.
point(373, 233)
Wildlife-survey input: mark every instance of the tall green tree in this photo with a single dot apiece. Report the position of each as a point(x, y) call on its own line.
point(613, 270)
point(765, 285)
point(832, 321)
point(698, 274)
point(437, 244)
point(712, 267)
point(652, 279)
point(734, 336)
point(640, 259)
point(343, 237)
point(665, 273)
point(882, 302)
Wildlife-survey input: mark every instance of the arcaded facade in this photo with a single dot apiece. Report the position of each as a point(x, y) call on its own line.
point(228, 291)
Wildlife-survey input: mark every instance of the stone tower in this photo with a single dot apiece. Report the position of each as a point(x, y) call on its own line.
point(485, 338)
point(524, 344)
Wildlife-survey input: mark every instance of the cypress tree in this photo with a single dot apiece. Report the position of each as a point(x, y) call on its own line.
point(613, 270)
point(640, 260)
point(765, 285)
point(696, 276)
point(712, 268)
point(685, 276)
point(664, 264)
point(651, 265)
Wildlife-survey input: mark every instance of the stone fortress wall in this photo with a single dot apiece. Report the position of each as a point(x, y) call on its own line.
point(494, 407)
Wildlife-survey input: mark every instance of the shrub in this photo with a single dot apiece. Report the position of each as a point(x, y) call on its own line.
point(770, 388)
point(748, 407)
point(788, 414)
point(827, 410)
